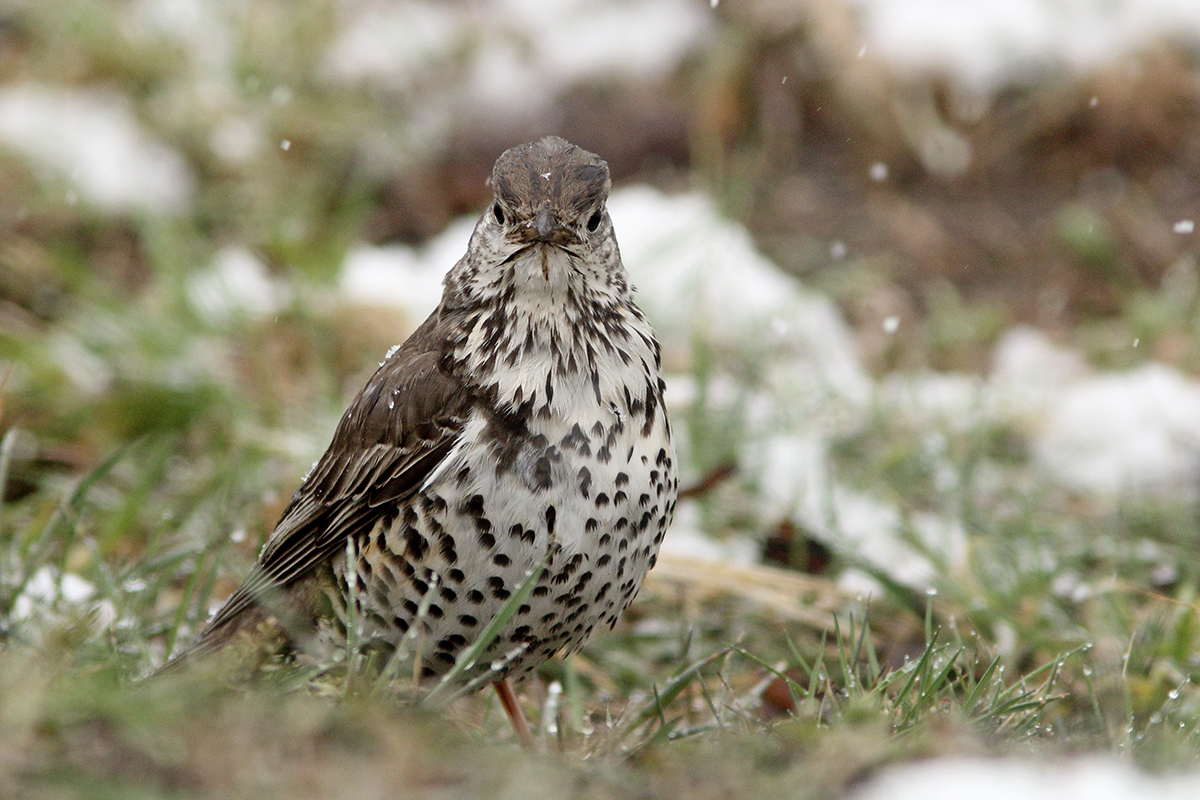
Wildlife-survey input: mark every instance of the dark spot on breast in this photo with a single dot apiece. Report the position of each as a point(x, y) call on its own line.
point(468, 621)
point(415, 544)
point(541, 473)
point(475, 596)
point(575, 438)
point(496, 584)
point(452, 642)
point(551, 514)
point(446, 548)
point(473, 506)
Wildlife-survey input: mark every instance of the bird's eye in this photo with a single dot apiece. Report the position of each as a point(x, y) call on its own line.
point(594, 221)
point(499, 212)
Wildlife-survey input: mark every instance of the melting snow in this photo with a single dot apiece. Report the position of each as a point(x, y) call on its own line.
point(237, 284)
point(517, 54)
point(985, 44)
point(784, 363)
point(46, 589)
point(92, 142)
point(402, 277)
point(1082, 778)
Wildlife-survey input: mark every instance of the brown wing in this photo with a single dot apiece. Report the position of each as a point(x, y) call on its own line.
point(391, 438)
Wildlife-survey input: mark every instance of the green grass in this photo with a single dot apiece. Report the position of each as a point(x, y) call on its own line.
point(146, 450)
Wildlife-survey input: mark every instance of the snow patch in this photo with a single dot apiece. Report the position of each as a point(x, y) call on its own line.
point(985, 45)
point(1093, 778)
point(237, 285)
point(92, 141)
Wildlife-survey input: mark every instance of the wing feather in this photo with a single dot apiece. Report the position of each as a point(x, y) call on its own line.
point(394, 434)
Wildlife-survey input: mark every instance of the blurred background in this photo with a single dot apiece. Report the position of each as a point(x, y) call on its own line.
point(925, 273)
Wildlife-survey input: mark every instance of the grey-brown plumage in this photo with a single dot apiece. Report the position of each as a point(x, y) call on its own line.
point(521, 424)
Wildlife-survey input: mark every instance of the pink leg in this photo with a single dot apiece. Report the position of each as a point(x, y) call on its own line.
point(509, 700)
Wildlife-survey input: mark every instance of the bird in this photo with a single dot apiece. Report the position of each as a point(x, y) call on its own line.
point(518, 434)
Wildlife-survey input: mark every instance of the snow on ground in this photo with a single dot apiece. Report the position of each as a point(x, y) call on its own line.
point(1079, 778)
point(515, 55)
point(987, 44)
point(236, 285)
point(406, 278)
point(781, 362)
point(93, 145)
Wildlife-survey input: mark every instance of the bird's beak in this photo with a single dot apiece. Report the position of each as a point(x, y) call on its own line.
point(544, 223)
point(547, 227)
